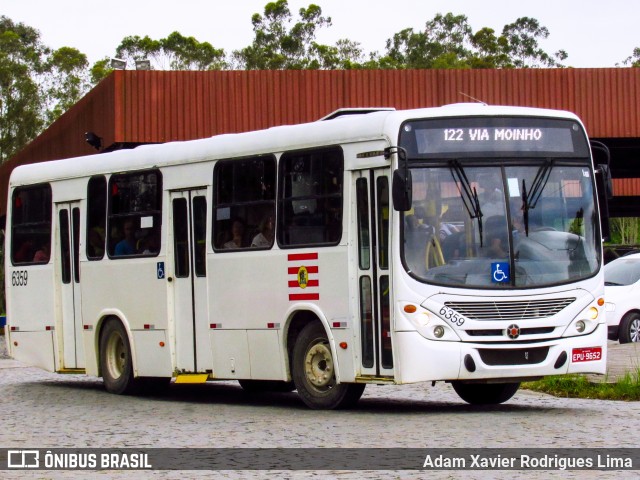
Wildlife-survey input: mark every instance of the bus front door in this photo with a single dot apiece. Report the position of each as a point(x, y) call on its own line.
point(188, 247)
point(373, 216)
point(68, 272)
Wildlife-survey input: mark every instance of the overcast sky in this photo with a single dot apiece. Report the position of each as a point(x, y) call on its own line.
point(595, 33)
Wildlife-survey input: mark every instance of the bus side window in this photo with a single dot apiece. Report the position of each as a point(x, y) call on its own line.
point(135, 214)
point(310, 197)
point(31, 225)
point(244, 202)
point(96, 217)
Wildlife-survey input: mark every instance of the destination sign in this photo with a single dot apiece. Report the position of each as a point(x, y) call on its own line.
point(501, 139)
point(493, 136)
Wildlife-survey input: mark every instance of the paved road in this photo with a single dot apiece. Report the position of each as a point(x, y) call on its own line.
point(46, 410)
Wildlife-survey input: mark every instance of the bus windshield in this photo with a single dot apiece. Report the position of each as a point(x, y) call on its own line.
point(500, 226)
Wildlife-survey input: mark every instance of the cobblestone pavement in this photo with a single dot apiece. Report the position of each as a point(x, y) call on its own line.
point(45, 410)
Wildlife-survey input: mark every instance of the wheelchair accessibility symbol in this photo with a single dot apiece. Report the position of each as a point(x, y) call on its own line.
point(160, 270)
point(500, 272)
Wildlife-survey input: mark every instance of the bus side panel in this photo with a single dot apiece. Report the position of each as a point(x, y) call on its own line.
point(152, 353)
point(34, 348)
point(32, 311)
point(130, 286)
point(247, 292)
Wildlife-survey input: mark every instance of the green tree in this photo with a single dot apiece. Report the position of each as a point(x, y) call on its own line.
point(22, 60)
point(522, 37)
point(279, 46)
point(176, 52)
point(634, 59)
point(67, 80)
point(449, 42)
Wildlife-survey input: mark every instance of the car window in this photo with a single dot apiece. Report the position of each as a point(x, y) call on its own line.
point(622, 272)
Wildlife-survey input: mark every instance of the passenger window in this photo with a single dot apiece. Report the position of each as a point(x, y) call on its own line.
point(310, 197)
point(244, 203)
point(31, 225)
point(135, 214)
point(96, 217)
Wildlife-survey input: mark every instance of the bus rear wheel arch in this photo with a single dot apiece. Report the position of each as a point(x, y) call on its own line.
point(313, 371)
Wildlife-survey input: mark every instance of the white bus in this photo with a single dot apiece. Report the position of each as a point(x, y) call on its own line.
point(458, 244)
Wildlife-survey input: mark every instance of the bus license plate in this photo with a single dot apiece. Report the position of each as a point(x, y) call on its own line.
point(586, 354)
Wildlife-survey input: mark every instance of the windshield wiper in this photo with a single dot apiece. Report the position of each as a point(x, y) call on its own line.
point(530, 200)
point(469, 194)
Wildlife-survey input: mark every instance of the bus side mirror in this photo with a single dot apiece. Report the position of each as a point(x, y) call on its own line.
point(604, 190)
point(605, 177)
point(402, 190)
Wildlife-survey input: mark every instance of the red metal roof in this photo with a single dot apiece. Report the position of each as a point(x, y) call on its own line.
point(158, 106)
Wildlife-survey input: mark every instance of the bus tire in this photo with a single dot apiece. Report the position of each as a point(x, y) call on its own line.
point(261, 386)
point(115, 359)
point(485, 393)
point(314, 372)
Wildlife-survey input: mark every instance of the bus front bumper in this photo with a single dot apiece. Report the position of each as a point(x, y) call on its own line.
point(420, 359)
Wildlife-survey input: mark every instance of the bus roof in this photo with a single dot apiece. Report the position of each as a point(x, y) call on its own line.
point(340, 130)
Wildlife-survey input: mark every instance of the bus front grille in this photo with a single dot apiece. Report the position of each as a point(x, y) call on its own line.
point(511, 310)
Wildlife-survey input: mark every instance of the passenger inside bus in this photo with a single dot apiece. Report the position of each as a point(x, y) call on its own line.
point(265, 237)
point(127, 246)
point(236, 235)
point(42, 254)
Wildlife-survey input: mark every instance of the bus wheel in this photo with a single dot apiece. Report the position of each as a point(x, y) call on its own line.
point(314, 373)
point(259, 386)
point(115, 359)
point(485, 393)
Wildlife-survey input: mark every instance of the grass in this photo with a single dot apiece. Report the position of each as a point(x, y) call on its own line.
point(578, 386)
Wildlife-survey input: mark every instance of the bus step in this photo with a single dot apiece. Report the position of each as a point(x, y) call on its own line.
point(192, 378)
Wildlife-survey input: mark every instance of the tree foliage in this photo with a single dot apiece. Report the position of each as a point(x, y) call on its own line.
point(22, 59)
point(176, 52)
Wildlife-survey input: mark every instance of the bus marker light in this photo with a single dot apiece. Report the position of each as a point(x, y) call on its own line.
point(215, 325)
point(601, 301)
point(438, 331)
point(15, 344)
point(88, 327)
point(14, 329)
point(148, 326)
point(339, 325)
point(273, 325)
point(410, 308)
point(343, 345)
point(161, 344)
point(48, 328)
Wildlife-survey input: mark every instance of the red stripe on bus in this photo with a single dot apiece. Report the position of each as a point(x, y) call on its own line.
point(304, 296)
point(294, 270)
point(310, 283)
point(294, 257)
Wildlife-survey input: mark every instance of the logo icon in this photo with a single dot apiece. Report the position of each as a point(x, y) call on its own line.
point(23, 459)
point(500, 272)
point(513, 331)
point(303, 277)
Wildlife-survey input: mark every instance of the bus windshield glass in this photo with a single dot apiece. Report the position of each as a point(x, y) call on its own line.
point(522, 218)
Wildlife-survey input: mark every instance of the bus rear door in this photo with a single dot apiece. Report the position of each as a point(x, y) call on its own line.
point(68, 250)
point(188, 227)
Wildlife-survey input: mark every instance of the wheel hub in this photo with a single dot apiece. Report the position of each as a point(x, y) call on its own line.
point(319, 366)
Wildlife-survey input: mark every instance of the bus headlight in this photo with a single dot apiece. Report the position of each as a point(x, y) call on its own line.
point(438, 331)
point(584, 323)
point(428, 324)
